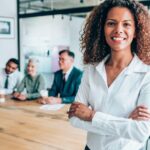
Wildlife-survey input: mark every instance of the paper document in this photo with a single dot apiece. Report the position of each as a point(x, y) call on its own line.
point(52, 107)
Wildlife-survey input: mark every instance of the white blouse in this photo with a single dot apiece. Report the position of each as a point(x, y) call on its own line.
point(110, 128)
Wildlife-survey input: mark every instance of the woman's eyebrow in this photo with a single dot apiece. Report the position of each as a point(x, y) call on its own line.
point(116, 20)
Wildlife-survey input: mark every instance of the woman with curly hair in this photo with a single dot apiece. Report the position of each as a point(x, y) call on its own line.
point(113, 100)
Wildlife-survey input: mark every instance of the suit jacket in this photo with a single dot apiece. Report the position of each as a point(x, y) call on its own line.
point(69, 90)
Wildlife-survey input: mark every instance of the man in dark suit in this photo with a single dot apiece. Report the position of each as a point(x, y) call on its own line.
point(66, 81)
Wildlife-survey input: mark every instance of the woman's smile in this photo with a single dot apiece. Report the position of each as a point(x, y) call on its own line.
point(119, 29)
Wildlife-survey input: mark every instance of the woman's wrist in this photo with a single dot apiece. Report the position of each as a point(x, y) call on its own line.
point(92, 115)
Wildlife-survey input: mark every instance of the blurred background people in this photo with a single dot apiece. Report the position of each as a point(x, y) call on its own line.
point(10, 77)
point(66, 80)
point(31, 84)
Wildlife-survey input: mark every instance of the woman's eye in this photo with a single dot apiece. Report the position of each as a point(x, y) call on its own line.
point(127, 24)
point(110, 23)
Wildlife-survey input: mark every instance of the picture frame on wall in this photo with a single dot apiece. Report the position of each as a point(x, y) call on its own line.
point(6, 27)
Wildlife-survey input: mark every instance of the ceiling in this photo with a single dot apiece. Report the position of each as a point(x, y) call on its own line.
point(31, 8)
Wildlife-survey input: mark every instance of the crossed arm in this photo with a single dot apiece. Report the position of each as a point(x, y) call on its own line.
point(135, 127)
point(83, 112)
point(100, 123)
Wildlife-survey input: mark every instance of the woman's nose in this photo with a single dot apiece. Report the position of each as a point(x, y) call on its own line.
point(119, 29)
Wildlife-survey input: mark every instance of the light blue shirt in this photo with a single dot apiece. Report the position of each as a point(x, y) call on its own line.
point(110, 128)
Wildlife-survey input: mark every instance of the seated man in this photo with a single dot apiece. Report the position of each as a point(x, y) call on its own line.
point(66, 81)
point(10, 77)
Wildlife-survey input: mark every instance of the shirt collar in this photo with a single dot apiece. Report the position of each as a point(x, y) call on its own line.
point(101, 66)
point(68, 72)
point(11, 74)
point(32, 77)
point(136, 65)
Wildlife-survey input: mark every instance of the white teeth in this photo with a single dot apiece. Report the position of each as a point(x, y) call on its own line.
point(117, 38)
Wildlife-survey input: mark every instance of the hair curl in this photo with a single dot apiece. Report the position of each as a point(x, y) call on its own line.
point(93, 44)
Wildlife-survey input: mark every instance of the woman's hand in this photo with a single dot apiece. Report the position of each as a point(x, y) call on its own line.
point(140, 113)
point(81, 111)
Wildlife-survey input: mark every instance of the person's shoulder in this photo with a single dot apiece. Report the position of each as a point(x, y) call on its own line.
point(58, 71)
point(27, 76)
point(76, 70)
point(146, 67)
point(18, 74)
point(142, 67)
point(90, 67)
point(40, 75)
point(2, 70)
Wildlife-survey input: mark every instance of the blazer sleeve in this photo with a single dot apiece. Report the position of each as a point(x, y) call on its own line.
point(54, 89)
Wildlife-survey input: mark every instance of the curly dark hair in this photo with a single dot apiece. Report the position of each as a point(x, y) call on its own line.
point(93, 44)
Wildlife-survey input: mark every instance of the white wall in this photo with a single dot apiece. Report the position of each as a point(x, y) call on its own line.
point(8, 47)
point(39, 34)
point(75, 34)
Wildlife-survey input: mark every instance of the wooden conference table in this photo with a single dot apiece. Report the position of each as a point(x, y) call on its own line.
point(24, 126)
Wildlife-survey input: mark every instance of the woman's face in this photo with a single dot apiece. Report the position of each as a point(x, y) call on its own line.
point(31, 69)
point(119, 29)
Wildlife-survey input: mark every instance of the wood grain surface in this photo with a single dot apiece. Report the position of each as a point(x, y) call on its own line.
point(24, 126)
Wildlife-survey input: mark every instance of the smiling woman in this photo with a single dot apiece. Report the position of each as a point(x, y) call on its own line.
point(113, 100)
point(119, 29)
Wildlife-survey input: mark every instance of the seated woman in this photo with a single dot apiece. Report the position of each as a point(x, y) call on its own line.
point(32, 82)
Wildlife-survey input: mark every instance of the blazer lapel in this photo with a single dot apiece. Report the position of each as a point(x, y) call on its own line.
point(62, 83)
point(69, 79)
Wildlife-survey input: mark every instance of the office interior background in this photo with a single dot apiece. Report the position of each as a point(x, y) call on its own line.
point(41, 28)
